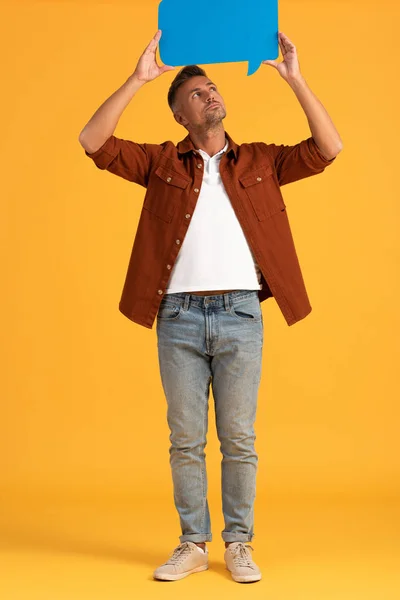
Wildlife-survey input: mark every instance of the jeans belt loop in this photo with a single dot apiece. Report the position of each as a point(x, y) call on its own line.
point(186, 302)
point(226, 302)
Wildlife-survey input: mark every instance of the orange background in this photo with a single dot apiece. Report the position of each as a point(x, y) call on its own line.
point(84, 463)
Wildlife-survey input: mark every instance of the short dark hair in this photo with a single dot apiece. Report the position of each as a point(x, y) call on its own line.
point(183, 75)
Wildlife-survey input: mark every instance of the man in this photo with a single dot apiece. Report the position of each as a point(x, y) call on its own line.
point(214, 240)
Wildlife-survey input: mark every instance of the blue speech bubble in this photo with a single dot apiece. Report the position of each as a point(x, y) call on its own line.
point(218, 32)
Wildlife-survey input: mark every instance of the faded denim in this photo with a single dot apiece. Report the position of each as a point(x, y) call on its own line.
point(201, 340)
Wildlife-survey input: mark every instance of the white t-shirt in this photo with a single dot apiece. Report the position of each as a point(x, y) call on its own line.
point(215, 254)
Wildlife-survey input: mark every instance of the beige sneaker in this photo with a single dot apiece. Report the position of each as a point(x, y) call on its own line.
point(187, 558)
point(239, 562)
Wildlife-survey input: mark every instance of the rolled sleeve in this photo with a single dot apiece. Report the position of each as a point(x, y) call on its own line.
point(125, 158)
point(105, 154)
point(318, 160)
point(298, 161)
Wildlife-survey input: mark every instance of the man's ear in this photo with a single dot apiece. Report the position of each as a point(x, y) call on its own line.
point(180, 119)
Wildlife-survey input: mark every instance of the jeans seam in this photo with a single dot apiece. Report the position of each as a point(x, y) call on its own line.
point(203, 462)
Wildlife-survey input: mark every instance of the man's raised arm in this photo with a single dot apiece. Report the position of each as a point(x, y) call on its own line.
point(102, 124)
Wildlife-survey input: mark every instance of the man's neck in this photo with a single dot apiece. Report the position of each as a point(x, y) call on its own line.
point(211, 142)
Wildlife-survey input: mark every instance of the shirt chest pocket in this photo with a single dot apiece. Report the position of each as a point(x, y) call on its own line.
point(163, 195)
point(261, 189)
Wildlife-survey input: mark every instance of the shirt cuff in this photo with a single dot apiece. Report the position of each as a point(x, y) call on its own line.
point(102, 155)
point(319, 160)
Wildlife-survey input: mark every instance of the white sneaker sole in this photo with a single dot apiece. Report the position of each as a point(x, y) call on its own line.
point(176, 576)
point(245, 578)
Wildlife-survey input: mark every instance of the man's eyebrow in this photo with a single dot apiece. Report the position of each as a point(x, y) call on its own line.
point(199, 89)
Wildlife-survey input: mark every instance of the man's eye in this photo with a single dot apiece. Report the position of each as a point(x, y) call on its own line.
point(212, 87)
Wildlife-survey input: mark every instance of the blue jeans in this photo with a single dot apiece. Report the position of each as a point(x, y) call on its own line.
point(201, 340)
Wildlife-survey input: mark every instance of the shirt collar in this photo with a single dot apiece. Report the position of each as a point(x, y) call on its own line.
point(186, 145)
point(219, 154)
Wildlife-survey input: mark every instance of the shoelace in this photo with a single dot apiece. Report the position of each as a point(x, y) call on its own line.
point(179, 553)
point(242, 556)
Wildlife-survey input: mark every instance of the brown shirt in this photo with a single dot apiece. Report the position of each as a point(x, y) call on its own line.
point(252, 174)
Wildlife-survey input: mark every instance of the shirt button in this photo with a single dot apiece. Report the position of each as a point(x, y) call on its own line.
point(169, 179)
point(199, 166)
point(196, 190)
point(178, 242)
point(187, 216)
point(259, 178)
point(168, 267)
point(160, 292)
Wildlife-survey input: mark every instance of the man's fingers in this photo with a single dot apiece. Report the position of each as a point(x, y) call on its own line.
point(282, 46)
point(166, 68)
point(272, 63)
point(286, 39)
point(153, 44)
point(288, 44)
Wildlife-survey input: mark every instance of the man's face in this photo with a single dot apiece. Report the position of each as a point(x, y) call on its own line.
point(199, 106)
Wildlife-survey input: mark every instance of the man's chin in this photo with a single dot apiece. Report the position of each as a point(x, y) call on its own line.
point(212, 117)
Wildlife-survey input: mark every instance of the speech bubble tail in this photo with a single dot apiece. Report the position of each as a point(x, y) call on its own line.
point(253, 66)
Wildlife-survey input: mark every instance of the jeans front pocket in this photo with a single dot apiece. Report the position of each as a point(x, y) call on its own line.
point(247, 310)
point(169, 311)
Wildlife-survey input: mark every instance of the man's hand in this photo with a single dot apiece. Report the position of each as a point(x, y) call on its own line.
point(322, 128)
point(289, 68)
point(147, 68)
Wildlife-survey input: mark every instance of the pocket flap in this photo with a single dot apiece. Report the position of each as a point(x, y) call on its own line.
point(172, 177)
point(256, 176)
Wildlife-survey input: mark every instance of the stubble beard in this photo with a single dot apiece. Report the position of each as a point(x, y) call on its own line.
point(214, 117)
